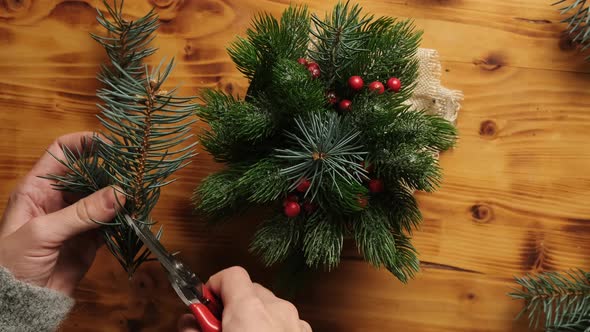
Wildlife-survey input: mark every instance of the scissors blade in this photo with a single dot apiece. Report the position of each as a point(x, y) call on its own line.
point(153, 244)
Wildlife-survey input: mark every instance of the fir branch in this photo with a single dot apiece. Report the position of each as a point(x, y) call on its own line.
point(322, 241)
point(268, 41)
point(277, 239)
point(324, 145)
point(577, 17)
point(562, 298)
point(382, 247)
point(292, 92)
point(234, 125)
point(263, 181)
point(146, 130)
point(218, 194)
point(339, 38)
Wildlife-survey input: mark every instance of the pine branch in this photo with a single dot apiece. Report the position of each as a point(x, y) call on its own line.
point(562, 298)
point(324, 146)
point(277, 239)
point(383, 247)
point(235, 126)
point(268, 41)
point(577, 18)
point(146, 128)
point(322, 241)
point(339, 39)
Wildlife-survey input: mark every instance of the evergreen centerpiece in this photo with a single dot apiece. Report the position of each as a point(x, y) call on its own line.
point(326, 138)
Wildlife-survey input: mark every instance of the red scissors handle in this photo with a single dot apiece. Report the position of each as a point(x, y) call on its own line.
point(208, 314)
point(207, 321)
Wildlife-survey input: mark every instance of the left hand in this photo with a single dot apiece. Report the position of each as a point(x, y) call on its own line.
point(43, 239)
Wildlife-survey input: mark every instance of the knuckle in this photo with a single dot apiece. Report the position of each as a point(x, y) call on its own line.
point(289, 308)
point(238, 271)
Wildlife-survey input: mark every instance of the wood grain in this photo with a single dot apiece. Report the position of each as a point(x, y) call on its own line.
point(514, 198)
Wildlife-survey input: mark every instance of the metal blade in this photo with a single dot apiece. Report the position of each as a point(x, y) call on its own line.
point(147, 237)
point(179, 275)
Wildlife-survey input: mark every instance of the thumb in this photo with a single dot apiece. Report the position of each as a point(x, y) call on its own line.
point(101, 206)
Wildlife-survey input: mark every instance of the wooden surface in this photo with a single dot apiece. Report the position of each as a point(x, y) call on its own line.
point(514, 199)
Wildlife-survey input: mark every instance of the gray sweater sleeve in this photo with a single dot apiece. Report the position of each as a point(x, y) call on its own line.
point(24, 307)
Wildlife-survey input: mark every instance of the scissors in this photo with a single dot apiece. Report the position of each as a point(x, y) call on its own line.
point(204, 305)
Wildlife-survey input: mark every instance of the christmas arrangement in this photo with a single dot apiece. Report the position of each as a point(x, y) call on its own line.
point(325, 138)
point(145, 127)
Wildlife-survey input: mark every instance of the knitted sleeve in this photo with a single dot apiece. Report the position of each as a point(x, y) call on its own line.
point(24, 307)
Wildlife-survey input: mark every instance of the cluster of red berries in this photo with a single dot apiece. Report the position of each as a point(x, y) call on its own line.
point(314, 68)
point(356, 83)
point(291, 204)
point(294, 202)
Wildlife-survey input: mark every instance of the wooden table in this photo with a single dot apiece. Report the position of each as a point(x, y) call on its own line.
point(514, 198)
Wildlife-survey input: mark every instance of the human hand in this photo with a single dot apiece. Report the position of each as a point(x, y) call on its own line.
point(43, 239)
point(248, 306)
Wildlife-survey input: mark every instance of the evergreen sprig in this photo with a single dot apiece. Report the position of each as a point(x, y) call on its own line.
point(146, 128)
point(577, 18)
point(560, 300)
point(324, 146)
point(285, 141)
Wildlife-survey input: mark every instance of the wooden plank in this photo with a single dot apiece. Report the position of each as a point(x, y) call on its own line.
point(514, 199)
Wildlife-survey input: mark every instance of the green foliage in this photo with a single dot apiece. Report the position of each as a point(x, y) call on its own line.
point(577, 18)
point(561, 300)
point(146, 128)
point(285, 132)
point(263, 181)
point(236, 126)
point(268, 41)
point(322, 241)
point(394, 251)
point(218, 193)
point(324, 146)
point(277, 239)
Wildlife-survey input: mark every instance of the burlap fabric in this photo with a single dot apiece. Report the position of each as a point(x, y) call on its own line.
point(429, 94)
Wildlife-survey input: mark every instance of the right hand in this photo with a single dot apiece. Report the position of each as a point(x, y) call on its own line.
point(248, 306)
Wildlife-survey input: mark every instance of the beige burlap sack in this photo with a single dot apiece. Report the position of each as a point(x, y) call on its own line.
point(429, 94)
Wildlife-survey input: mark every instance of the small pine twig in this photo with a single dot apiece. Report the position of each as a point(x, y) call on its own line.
point(562, 298)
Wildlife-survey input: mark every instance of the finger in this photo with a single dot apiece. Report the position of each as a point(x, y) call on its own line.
point(305, 327)
point(80, 217)
point(188, 323)
point(231, 285)
point(264, 294)
point(47, 164)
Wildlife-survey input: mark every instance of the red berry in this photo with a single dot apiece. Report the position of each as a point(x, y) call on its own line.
point(315, 72)
point(302, 61)
point(355, 82)
point(303, 186)
point(363, 201)
point(376, 186)
point(290, 198)
point(312, 65)
point(394, 84)
point(344, 105)
point(309, 207)
point(332, 98)
point(292, 209)
point(377, 87)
